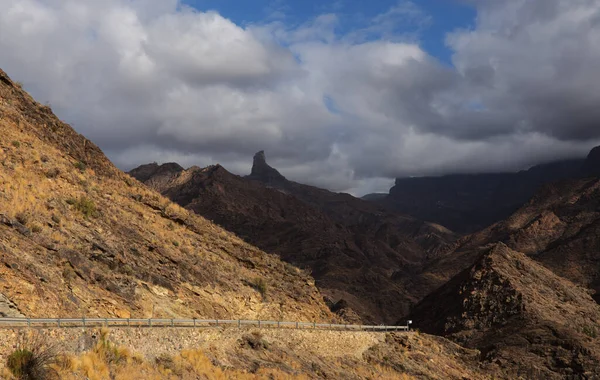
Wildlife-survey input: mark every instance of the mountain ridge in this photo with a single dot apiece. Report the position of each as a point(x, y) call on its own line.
point(467, 203)
point(358, 252)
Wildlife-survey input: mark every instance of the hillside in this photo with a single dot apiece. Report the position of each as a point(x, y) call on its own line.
point(357, 252)
point(521, 316)
point(466, 203)
point(559, 227)
point(257, 354)
point(79, 237)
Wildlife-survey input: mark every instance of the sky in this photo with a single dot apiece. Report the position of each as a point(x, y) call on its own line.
point(343, 94)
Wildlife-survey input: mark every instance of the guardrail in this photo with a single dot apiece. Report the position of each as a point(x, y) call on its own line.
point(188, 323)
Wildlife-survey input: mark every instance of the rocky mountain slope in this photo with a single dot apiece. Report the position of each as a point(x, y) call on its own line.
point(559, 227)
point(466, 203)
point(79, 237)
point(358, 253)
point(521, 316)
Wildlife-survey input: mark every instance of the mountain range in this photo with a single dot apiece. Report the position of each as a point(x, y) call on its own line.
point(512, 292)
point(356, 250)
point(466, 203)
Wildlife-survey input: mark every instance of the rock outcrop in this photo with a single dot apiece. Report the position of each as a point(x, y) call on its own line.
point(519, 314)
point(263, 172)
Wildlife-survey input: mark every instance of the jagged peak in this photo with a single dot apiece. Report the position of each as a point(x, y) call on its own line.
point(262, 171)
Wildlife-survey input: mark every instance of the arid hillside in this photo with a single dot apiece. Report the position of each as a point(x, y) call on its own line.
point(79, 237)
point(559, 227)
point(521, 316)
point(357, 252)
point(222, 353)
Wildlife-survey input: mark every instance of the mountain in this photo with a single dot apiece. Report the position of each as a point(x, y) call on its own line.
point(360, 254)
point(374, 197)
point(78, 237)
point(525, 290)
point(466, 203)
point(559, 227)
point(591, 167)
point(519, 314)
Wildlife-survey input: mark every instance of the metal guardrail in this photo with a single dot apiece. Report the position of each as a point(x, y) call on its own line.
point(189, 323)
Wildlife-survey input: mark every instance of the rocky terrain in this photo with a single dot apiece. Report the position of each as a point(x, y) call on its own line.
point(559, 227)
point(467, 203)
point(357, 252)
point(79, 237)
point(521, 316)
point(257, 354)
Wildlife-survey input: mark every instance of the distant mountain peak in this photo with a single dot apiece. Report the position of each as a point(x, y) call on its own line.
point(262, 171)
point(592, 163)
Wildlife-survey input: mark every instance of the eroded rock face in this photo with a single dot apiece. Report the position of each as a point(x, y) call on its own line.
point(517, 311)
point(8, 309)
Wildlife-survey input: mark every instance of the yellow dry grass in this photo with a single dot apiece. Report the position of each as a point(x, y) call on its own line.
point(67, 206)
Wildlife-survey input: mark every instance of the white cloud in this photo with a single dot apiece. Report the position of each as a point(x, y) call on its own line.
point(152, 80)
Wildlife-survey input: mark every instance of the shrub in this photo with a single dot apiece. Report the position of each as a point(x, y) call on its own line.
point(81, 166)
point(22, 217)
point(590, 331)
point(86, 206)
point(56, 219)
point(110, 352)
point(255, 341)
point(260, 285)
point(52, 173)
point(16, 144)
point(19, 361)
point(33, 359)
point(36, 228)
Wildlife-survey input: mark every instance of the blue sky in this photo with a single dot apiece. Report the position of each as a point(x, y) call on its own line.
point(437, 18)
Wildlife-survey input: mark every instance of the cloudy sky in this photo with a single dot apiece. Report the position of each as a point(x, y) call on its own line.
point(342, 94)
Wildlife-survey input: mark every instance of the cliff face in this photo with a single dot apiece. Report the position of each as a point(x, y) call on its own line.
point(470, 202)
point(79, 237)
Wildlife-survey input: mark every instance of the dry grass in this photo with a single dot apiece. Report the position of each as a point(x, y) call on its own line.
point(108, 361)
point(156, 244)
